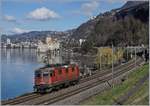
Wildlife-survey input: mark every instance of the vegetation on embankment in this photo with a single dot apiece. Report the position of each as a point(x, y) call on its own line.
point(108, 97)
point(141, 97)
point(104, 56)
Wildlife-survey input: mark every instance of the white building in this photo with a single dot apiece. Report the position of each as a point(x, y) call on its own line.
point(81, 41)
point(8, 41)
point(51, 44)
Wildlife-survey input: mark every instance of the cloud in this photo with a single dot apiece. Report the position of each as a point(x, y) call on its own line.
point(1, 29)
point(38, 0)
point(19, 30)
point(34, 1)
point(117, 1)
point(42, 14)
point(64, 1)
point(58, 1)
point(9, 18)
point(88, 8)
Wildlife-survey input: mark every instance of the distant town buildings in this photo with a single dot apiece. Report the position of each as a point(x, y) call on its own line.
point(49, 44)
point(9, 44)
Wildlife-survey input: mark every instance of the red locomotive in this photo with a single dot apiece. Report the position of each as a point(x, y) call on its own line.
point(55, 76)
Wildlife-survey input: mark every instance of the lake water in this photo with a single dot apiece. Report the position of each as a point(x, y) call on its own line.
point(17, 69)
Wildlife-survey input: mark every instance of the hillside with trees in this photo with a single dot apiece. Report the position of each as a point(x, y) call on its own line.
point(128, 25)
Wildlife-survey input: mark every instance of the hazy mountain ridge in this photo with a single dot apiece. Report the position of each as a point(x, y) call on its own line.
point(34, 36)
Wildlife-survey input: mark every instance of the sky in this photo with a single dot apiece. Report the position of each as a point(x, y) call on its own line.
point(19, 16)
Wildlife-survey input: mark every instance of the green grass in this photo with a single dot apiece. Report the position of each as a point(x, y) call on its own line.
point(141, 97)
point(107, 97)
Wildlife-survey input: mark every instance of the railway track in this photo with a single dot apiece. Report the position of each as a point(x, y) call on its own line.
point(104, 72)
point(21, 99)
point(95, 83)
point(41, 99)
point(32, 95)
point(53, 97)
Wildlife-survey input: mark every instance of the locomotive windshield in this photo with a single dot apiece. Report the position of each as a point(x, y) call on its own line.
point(45, 74)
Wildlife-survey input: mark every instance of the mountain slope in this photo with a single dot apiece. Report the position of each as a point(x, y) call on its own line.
point(130, 4)
point(127, 25)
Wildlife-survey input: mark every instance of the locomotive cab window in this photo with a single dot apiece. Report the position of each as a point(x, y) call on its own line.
point(51, 74)
point(67, 69)
point(73, 69)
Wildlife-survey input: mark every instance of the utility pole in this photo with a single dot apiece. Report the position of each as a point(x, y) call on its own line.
point(127, 54)
point(143, 49)
point(135, 56)
point(100, 59)
point(112, 66)
point(48, 57)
